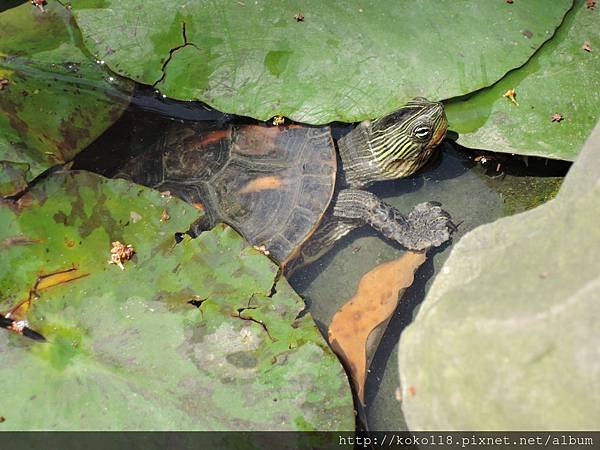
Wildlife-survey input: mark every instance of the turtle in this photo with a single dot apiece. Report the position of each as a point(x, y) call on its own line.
point(283, 188)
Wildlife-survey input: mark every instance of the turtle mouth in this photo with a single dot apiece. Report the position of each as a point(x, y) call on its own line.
point(441, 124)
point(439, 136)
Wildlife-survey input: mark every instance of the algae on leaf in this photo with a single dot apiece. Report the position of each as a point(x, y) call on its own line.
point(345, 62)
point(192, 336)
point(507, 337)
point(55, 99)
point(562, 78)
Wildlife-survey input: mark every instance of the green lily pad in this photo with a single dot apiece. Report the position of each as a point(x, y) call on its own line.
point(340, 62)
point(562, 78)
point(56, 99)
point(507, 337)
point(125, 350)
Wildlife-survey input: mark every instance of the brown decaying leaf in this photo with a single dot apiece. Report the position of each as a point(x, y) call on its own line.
point(262, 249)
point(511, 94)
point(372, 306)
point(586, 46)
point(278, 120)
point(119, 253)
point(262, 183)
point(39, 4)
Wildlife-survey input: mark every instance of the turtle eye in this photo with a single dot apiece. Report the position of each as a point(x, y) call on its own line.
point(422, 132)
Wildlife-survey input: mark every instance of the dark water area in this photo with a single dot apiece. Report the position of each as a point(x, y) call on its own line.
point(7, 4)
point(474, 186)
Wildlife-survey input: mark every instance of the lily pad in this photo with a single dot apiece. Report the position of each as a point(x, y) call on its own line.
point(339, 62)
point(562, 78)
point(56, 99)
point(125, 349)
point(507, 337)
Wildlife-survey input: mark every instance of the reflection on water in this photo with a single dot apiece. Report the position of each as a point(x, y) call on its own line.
point(471, 195)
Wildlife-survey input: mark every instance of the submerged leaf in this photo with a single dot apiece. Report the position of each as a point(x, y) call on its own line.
point(376, 298)
point(54, 99)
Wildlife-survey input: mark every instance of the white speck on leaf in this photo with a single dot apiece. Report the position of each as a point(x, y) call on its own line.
point(135, 217)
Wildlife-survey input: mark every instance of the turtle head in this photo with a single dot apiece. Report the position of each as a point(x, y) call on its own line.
point(396, 145)
point(403, 141)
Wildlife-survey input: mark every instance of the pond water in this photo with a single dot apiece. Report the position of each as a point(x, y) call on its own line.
point(473, 197)
point(473, 192)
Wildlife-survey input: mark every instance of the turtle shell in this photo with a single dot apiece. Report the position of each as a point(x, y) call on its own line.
point(272, 184)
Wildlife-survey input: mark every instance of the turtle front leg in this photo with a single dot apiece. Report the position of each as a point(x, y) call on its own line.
point(427, 225)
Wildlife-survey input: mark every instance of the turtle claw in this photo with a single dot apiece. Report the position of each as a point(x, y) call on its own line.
point(431, 226)
point(454, 226)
